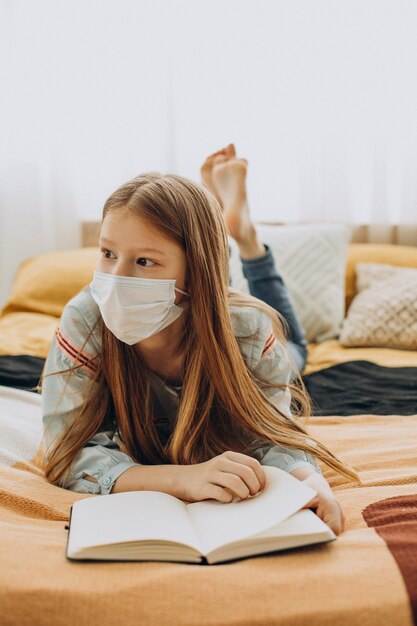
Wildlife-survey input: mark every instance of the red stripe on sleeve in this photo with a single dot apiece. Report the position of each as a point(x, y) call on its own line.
point(270, 342)
point(80, 358)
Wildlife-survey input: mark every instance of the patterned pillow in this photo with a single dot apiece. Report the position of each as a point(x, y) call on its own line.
point(311, 259)
point(384, 312)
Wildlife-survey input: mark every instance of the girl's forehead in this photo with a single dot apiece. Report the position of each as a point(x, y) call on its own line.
point(123, 228)
point(123, 219)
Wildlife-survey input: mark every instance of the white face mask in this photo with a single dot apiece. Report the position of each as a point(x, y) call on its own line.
point(135, 308)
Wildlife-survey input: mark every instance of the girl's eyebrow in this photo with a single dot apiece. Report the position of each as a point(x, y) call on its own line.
point(111, 243)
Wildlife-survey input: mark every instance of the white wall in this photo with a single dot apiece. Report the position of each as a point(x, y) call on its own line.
point(319, 95)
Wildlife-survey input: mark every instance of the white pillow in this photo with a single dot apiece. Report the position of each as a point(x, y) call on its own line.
point(384, 311)
point(311, 259)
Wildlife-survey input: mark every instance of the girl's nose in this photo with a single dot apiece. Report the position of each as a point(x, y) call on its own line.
point(122, 269)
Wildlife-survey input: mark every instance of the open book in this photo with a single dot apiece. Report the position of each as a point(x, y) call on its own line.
point(155, 526)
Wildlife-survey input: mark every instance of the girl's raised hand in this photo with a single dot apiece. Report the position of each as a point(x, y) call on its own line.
point(225, 477)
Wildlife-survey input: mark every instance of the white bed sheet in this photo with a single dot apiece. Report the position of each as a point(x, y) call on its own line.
point(20, 425)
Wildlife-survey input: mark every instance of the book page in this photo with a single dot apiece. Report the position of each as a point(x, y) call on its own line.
point(130, 516)
point(218, 523)
point(302, 528)
point(302, 523)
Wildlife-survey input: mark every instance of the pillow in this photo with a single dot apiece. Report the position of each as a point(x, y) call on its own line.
point(311, 259)
point(387, 253)
point(44, 283)
point(27, 333)
point(384, 313)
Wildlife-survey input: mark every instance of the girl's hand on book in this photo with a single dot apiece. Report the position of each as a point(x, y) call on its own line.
point(225, 477)
point(329, 510)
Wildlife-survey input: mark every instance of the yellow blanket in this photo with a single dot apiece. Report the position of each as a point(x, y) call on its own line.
point(358, 579)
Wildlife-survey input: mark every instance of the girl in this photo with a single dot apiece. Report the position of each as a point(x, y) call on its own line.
point(161, 377)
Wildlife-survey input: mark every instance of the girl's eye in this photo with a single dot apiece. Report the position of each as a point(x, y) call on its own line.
point(107, 254)
point(143, 262)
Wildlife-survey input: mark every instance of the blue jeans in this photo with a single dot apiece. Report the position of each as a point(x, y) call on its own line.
point(266, 284)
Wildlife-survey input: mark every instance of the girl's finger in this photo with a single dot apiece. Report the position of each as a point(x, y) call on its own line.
point(334, 521)
point(234, 483)
point(218, 493)
point(245, 472)
point(244, 459)
point(313, 503)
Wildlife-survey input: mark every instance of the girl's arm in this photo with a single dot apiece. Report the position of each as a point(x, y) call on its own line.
point(99, 463)
point(224, 477)
point(166, 478)
point(313, 480)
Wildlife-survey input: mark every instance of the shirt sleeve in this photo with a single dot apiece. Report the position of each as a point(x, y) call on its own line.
point(271, 363)
point(63, 395)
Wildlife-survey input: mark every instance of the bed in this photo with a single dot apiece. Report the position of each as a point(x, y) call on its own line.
point(368, 576)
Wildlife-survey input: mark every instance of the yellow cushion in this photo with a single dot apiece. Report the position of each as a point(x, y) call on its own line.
point(321, 355)
point(27, 333)
point(390, 254)
point(44, 283)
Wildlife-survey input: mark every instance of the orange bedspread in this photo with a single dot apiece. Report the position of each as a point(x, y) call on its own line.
point(358, 579)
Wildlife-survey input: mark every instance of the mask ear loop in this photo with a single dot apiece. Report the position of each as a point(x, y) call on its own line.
point(181, 291)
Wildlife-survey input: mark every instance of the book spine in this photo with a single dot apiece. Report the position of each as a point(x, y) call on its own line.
point(68, 528)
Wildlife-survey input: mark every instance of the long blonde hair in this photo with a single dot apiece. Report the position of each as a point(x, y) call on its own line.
point(222, 406)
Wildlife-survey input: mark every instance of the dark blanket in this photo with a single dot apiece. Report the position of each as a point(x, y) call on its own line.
point(22, 371)
point(358, 387)
point(350, 388)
